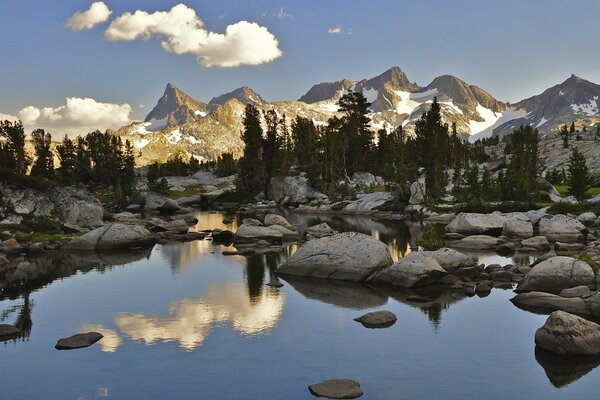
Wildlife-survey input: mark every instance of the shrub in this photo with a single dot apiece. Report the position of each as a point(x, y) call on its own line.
point(431, 237)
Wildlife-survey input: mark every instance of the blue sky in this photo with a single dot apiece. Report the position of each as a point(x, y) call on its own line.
point(513, 49)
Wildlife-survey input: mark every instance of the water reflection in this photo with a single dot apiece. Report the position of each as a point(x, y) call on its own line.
point(181, 256)
point(190, 320)
point(562, 370)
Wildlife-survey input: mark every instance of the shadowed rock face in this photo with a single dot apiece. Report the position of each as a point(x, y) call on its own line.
point(244, 95)
point(561, 370)
point(177, 107)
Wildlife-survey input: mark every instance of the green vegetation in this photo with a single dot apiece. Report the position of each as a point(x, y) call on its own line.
point(432, 237)
point(579, 176)
point(583, 256)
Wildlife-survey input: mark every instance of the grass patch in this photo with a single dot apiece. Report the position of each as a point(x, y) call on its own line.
point(189, 191)
point(583, 256)
point(564, 190)
point(576, 209)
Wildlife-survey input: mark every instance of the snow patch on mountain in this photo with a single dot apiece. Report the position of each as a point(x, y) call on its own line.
point(370, 94)
point(511, 113)
point(174, 136)
point(590, 109)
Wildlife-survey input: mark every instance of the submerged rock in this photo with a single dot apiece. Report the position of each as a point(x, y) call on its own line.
point(568, 334)
point(78, 341)
point(377, 319)
point(347, 256)
point(337, 389)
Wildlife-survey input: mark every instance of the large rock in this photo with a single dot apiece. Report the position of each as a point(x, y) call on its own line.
point(369, 201)
point(176, 226)
point(319, 231)
point(418, 191)
point(252, 233)
point(588, 306)
point(477, 224)
point(15, 204)
point(158, 202)
point(561, 228)
point(568, 334)
point(337, 389)
point(275, 219)
point(411, 271)
point(587, 218)
point(477, 242)
point(377, 319)
point(294, 187)
point(78, 341)
point(557, 273)
point(346, 256)
point(517, 228)
point(537, 243)
point(77, 206)
point(113, 236)
point(287, 235)
point(449, 259)
point(557, 198)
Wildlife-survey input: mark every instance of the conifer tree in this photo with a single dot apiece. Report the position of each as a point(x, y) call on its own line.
point(67, 158)
point(579, 176)
point(564, 134)
point(356, 131)
point(14, 147)
point(44, 161)
point(250, 177)
point(305, 137)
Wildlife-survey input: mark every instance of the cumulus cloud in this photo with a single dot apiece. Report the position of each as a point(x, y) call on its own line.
point(338, 30)
point(182, 32)
point(95, 15)
point(77, 117)
point(7, 117)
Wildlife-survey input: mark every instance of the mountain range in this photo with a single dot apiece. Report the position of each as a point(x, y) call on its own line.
point(184, 125)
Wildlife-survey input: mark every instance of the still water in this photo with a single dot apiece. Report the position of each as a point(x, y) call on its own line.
point(181, 321)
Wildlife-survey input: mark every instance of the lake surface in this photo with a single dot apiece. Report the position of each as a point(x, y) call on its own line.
point(183, 321)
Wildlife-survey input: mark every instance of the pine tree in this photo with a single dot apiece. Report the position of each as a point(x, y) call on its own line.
point(305, 137)
point(44, 161)
point(271, 150)
point(356, 130)
point(525, 166)
point(579, 176)
point(251, 165)
point(67, 158)
point(14, 147)
point(564, 134)
point(431, 142)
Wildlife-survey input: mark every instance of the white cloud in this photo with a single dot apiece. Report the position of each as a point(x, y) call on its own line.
point(78, 117)
point(95, 15)
point(5, 117)
point(182, 32)
point(282, 14)
point(338, 30)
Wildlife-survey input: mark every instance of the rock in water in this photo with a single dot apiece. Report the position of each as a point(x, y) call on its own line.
point(113, 236)
point(8, 331)
point(477, 224)
point(557, 273)
point(377, 319)
point(78, 341)
point(275, 219)
point(348, 256)
point(337, 389)
point(413, 270)
point(568, 334)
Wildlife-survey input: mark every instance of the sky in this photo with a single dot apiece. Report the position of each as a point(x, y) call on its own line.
point(71, 65)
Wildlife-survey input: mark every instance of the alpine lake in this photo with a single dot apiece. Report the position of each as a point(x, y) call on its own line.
point(183, 321)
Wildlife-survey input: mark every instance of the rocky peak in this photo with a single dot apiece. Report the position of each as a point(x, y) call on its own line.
point(327, 91)
point(176, 107)
point(244, 94)
point(394, 79)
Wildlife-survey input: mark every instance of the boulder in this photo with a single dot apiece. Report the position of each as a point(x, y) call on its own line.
point(222, 236)
point(449, 259)
point(288, 235)
point(567, 334)
point(560, 246)
point(78, 341)
point(17, 203)
point(556, 197)
point(477, 224)
point(275, 219)
point(252, 233)
point(377, 319)
point(176, 226)
point(337, 389)
point(517, 229)
point(561, 228)
point(295, 188)
point(588, 306)
point(537, 243)
point(506, 249)
point(418, 190)
point(158, 202)
point(578, 291)
point(557, 273)
point(319, 231)
point(587, 218)
point(477, 242)
point(369, 201)
point(77, 206)
point(348, 256)
point(252, 222)
point(411, 271)
point(366, 179)
point(189, 200)
point(113, 236)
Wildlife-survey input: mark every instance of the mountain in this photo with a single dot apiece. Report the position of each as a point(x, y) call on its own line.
point(574, 100)
point(175, 108)
point(244, 95)
point(327, 91)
